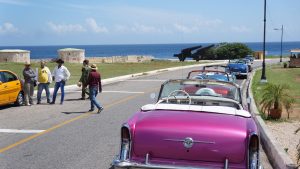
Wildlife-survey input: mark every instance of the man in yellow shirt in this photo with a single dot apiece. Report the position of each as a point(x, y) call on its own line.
point(44, 79)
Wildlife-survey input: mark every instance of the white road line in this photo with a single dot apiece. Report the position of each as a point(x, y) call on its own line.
point(147, 80)
point(20, 131)
point(110, 92)
point(243, 82)
point(122, 92)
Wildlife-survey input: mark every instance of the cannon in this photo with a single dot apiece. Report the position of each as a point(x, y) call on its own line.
point(188, 52)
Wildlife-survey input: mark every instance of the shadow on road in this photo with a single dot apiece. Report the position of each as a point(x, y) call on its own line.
point(79, 112)
point(79, 99)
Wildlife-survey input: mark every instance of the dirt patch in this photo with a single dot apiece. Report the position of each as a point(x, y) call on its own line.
point(284, 134)
point(297, 78)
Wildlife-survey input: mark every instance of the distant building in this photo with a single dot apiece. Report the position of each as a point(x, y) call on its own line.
point(295, 58)
point(72, 55)
point(14, 55)
point(259, 55)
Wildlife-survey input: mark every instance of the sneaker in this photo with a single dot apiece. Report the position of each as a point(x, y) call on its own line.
point(91, 110)
point(100, 110)
point(38, 103)
point(52, 103)
point(61, 103)
point(82, 98)
point(27, 104)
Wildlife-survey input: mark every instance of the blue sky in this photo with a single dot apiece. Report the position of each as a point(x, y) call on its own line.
point(77, 22)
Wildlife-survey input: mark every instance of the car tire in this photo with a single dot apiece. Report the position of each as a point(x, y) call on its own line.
point(20, 99)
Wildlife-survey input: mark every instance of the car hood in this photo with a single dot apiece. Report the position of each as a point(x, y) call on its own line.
point(161, 133)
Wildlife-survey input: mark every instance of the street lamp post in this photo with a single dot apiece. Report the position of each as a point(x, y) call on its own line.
point(280, 41)
point(263, 78)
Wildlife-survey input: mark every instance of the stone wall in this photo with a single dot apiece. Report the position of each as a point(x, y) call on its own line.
point(294, 62)
point(21, 56)
point(120, 59)
point(71, 55)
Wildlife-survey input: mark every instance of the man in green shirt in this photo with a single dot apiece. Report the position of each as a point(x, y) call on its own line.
point(85, 71)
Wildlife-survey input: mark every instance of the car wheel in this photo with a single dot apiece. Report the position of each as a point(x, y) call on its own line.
point(20, 99)
point(245, 76)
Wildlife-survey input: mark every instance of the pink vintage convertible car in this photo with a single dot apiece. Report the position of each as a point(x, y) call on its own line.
point(196, 124)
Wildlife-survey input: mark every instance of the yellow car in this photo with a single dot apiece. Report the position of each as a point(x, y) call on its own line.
point(10, 88)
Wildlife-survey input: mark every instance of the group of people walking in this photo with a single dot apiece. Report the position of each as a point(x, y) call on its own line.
point(89, 78)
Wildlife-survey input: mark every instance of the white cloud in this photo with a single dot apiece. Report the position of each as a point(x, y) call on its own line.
point(185, 29)
point(92, 24)
point(65, 28)
point(240, 29)
point(141, 28)
point(8, 28)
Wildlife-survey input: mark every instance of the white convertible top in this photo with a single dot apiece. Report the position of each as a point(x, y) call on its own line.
point(212, 109)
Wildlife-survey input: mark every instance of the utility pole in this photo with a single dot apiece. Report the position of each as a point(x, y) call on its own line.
point(280, 41)
point(263, 78)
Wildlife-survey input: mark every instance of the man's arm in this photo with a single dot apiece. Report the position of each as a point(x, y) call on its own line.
point(100, 84)
point(68, 74)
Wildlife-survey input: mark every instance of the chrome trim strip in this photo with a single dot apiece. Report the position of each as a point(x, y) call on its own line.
point(195, 141)
point(147, 159)
point(226, 164)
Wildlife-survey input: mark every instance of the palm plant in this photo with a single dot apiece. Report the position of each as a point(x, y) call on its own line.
point(274, 98)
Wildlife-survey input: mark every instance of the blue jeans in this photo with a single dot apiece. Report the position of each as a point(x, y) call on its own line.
point(93, 95)
point(41, 87)
point(60, 85)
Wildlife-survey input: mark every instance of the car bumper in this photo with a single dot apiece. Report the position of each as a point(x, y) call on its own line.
point(117, 164)
point(240, 74)
point(133, 165)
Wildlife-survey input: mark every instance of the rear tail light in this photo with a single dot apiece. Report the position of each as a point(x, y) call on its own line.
point(125, 143)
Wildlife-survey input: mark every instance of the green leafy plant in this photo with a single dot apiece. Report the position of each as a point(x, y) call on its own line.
point(274, 98)
point(232, 51)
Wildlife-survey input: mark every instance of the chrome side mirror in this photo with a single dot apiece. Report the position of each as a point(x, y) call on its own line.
point(248, 100)
point(153, 96)
point(1, 82)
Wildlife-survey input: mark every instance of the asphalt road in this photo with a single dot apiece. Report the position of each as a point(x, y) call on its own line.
point(67, 136)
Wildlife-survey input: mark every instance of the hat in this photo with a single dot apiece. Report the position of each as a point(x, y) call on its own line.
point(94, 67)
point(59, 61)
point(27, 63)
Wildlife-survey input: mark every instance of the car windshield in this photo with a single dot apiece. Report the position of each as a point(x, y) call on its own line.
point(220, 77)
point(196, 88)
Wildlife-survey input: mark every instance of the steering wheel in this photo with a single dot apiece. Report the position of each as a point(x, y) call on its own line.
point(177, 91)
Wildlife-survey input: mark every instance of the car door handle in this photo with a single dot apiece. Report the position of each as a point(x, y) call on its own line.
point(5, 86)
point(17, 83)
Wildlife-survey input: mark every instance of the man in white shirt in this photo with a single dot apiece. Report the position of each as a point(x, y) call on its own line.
point(60, 74)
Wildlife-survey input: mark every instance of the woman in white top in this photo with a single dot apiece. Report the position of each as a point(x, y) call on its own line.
point(60, 74)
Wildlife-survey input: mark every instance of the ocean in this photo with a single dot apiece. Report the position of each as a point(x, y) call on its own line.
point(160, 51)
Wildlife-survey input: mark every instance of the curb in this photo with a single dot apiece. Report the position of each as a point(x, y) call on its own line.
point(276, 156)
point(72, 88)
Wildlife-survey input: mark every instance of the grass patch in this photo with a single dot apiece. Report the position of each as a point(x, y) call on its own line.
point(276, 74)
point(107, 70)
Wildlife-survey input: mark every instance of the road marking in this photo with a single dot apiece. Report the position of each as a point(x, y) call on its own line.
point(126, 92)
point(4, 149)
point(243, 82)
point(20, 131)
point(147, 80)
point(123, 92)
